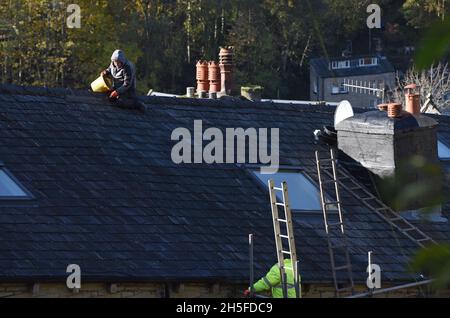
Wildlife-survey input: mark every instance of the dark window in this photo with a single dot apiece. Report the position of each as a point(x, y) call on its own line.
point(10, 188)
point(303, 194)
point(443, 150)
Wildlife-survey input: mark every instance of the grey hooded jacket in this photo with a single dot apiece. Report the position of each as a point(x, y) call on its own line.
point(125, 77)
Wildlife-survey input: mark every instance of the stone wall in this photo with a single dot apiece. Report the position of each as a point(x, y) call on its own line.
point(188, 290)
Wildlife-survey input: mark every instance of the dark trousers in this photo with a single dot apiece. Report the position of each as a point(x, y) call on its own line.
point(128, 100)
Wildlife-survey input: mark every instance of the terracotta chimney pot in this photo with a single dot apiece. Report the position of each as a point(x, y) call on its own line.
point(412, 98)
point(214, 77)
point(226, 70)
point(394, 110)
point(202, 77)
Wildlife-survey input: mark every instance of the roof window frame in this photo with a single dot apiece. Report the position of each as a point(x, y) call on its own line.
point(28, 195)
point(251, 168)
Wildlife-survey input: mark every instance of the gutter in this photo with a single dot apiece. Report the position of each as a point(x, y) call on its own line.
point(387, 290)
point(299, 102)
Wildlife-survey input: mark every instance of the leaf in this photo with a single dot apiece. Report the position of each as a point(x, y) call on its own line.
point(435, 262)
point(434, 45)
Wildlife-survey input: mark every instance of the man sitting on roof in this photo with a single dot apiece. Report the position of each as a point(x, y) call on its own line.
point(123, 74)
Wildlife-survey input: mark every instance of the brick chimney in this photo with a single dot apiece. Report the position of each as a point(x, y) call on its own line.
point(385, 142)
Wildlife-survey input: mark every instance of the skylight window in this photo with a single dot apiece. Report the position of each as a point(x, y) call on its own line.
point(443, 151)
point(303, 195)
point(10, 189)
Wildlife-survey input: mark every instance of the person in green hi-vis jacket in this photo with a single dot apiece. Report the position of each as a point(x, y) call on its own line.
point(272, 281)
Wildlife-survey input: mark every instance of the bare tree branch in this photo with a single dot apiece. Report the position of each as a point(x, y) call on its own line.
point(435, 80)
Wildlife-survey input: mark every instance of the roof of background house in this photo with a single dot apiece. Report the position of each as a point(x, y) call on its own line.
point(321, 66)
point(109, 198)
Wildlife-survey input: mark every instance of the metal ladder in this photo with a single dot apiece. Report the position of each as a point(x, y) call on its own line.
point(334, 227)
point(284, 241)
point(373, 203)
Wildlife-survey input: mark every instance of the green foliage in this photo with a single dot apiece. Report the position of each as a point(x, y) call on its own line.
point(403, 190)
point(434, 261)
point(434, 45)
point(421, 13)
point(274, 39)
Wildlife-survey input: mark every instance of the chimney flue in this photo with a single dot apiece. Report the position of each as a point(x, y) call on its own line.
point(412, 99)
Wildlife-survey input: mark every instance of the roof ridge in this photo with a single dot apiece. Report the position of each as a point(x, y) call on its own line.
point(226, 102)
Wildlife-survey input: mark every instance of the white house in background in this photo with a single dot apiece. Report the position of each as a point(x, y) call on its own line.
point(327, 77)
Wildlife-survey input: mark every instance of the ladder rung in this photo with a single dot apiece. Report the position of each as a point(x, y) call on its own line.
point(286, 252)
point(282, 220)
point(332, 202)
point(325, 160)
point(284, 236)
point(329, 181)
point(339, 268)
point(335, 224)
point(278, 189)
point(279, 204)
point(424, 239)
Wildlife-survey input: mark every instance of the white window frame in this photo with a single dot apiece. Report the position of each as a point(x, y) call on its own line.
point(336, 65)
point(374, 62)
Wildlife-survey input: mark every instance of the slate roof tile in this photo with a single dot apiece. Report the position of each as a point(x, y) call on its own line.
point(108, 196)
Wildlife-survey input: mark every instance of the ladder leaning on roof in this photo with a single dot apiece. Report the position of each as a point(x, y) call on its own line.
point(373, 203)
point(287, 236)
point(339, 241)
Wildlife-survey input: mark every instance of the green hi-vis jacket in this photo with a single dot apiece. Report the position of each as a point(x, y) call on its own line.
point(272, 280)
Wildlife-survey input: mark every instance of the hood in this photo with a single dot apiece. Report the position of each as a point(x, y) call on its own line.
point(118, 55)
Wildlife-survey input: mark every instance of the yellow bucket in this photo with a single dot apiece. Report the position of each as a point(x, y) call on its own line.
point(103, 84)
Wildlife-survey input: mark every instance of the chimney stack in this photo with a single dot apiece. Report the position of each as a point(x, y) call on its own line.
point(202, 77)
point(412, 99)
point(385, 144)
point(226, 70)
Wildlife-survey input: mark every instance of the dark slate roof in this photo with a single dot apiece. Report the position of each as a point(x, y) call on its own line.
point(109, 198)
point(321, 66)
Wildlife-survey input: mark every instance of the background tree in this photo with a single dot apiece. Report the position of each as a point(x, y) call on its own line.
point(421, 13)
point(273, 39)
point(435, 80)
